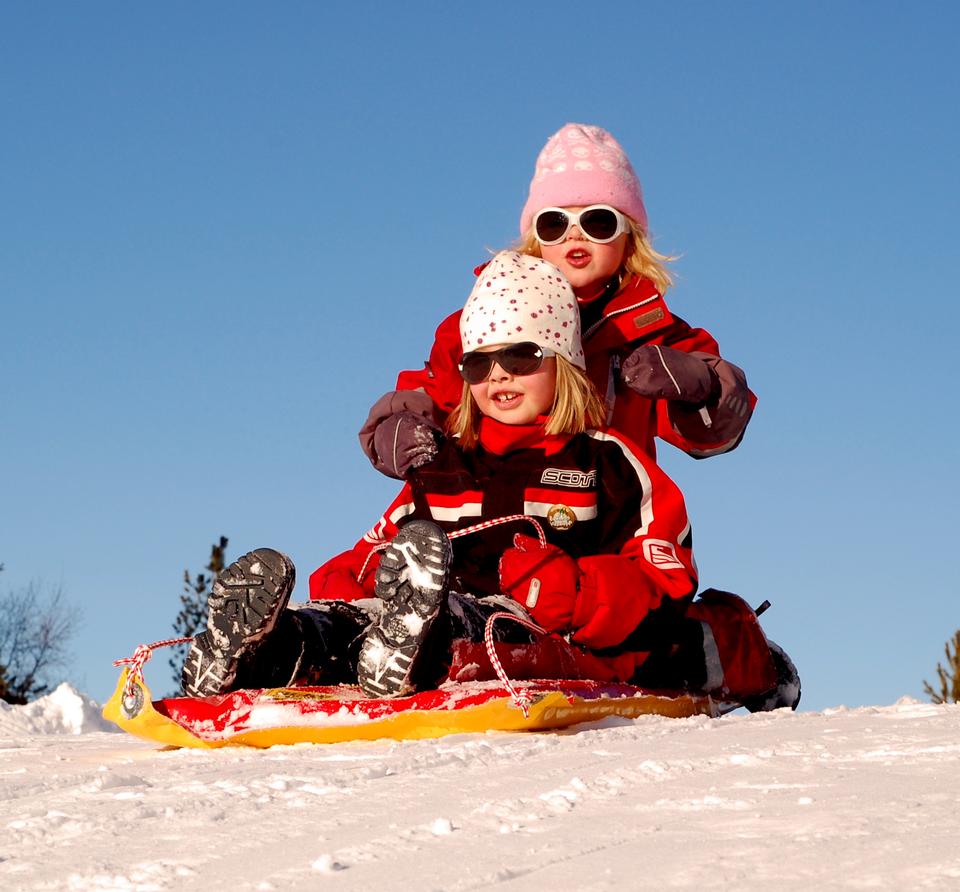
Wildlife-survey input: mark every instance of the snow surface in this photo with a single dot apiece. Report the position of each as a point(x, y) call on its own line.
point(846, 799)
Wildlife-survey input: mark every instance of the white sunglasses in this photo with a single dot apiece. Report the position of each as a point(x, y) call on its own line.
point(600, 223)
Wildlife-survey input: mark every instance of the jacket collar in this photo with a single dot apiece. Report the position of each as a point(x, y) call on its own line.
point(500, 438)
point(635, 312)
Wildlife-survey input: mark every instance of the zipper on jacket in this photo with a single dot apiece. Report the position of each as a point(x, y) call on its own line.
point(592, 329)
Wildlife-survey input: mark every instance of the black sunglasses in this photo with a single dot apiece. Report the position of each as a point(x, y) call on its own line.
point(515, 359)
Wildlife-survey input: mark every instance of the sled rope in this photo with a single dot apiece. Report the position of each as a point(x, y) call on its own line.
point(140, 656)
point(456, 534)
point(486, 524)
point(521, 698)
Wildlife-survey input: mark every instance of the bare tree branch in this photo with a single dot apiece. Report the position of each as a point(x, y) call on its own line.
point(36, 625)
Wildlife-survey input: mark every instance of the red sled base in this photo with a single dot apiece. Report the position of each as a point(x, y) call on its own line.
point(277, 716)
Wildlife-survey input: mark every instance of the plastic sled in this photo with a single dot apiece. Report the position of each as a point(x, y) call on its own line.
point(275, 716)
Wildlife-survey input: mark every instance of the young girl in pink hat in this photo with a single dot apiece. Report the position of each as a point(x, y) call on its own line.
point(659, 376)
point(611, 582)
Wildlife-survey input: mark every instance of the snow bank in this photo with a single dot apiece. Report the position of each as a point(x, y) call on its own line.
point(63, 711)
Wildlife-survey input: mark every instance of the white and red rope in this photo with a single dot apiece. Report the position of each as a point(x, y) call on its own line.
point(140, 656)
point(486, 524)
point(456, 534)
point(521, 698)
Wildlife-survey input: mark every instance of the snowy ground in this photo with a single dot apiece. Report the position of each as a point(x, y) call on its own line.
point(848, 798)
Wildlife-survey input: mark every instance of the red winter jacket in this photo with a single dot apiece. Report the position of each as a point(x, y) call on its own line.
point(636, 315)
point(597, 496)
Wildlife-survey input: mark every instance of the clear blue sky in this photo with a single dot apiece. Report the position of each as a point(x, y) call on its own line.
point(226, 226)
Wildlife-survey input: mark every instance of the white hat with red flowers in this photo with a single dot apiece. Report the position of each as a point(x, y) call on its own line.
point(520, 298)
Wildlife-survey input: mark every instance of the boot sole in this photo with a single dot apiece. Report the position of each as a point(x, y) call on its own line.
point(247, 599)
point(205, 672)
point(411, 582)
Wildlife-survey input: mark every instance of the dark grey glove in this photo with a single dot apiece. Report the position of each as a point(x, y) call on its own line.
point(389, 438)
point(405, 441)
point(663, 373)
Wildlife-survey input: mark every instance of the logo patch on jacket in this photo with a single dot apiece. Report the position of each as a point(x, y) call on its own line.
point(648, 318)
point(560, 517)
point(662, 554)
point(568, 477)
point(561, 507)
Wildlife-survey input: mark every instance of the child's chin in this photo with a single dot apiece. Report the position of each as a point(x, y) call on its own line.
point(513, 416)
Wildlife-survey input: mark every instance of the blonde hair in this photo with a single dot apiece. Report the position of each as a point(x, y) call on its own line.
point(577, 407)
point(640, 259)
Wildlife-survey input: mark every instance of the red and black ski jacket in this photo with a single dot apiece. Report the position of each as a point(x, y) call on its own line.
point(597, 496)
point(636, 315)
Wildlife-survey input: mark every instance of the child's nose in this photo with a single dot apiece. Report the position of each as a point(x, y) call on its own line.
point(497, 373)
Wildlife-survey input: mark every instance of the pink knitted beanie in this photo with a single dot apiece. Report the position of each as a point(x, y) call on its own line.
point(581, 165)
point(520, 298)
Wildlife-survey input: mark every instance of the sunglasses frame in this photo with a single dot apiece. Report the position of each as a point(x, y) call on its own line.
point(573, 219)
point(496, 355)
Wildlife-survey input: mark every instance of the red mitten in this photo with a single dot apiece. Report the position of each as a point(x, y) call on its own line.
point(544, 580)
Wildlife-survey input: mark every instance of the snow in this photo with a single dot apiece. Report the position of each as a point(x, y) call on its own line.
point(64, 711)
point(266, 716)
point(843, 799)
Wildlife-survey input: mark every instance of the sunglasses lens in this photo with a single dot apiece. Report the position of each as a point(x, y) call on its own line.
point(600, 224)
point(474, 367)
point(551, 226)
point(521, 359)
point(516, 359)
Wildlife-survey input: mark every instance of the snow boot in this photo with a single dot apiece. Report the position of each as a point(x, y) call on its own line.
point(787, 690)
point(244, 607)
point(205, 670)
point(411, 583)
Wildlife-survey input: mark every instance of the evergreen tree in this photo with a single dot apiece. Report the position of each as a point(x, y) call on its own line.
point(192, 617)
point(948, 676)
point(4, 684)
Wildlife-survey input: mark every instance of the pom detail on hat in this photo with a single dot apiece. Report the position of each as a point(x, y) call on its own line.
point(581, 165)
point(520, 298)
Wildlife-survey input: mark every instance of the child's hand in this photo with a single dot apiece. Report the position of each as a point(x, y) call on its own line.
point(664, 373)
point(544, 580)
point(396, 435)
point(405, 441)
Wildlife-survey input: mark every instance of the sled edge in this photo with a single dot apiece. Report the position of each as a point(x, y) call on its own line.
point(145, 722)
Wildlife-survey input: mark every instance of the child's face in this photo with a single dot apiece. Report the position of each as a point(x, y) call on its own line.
point(587, 265)
point(516, 399)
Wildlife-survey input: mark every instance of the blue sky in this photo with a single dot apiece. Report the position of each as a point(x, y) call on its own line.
point(226, 226)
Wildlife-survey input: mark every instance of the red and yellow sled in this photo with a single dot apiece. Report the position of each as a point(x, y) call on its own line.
point(263, 718)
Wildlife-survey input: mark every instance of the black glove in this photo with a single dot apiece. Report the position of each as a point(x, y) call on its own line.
point(405, 441)
point(664, 373)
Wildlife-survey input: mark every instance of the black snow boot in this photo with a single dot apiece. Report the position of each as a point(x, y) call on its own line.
point(247, 600)
point(787, 691)
point(412, 586)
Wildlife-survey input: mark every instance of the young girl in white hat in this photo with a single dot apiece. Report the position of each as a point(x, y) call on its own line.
point(614, 575)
